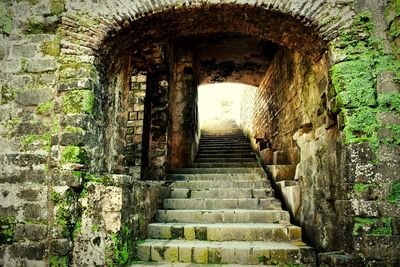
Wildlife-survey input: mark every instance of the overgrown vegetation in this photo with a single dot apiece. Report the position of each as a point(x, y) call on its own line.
point(354, 83)
point(394, 192)
point(7, 224)
point(72, 154)
point(360, 187)
point(34, 140)
point(373, 226)
point(59, 261)
point(45, 109)
point(119, 251)
point(78, 101)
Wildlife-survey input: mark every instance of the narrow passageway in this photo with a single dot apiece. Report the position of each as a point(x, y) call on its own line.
point(222, 209)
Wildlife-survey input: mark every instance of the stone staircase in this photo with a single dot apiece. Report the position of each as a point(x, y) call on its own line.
point(222, 210)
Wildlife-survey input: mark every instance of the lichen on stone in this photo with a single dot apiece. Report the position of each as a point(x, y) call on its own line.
point(52, 47)
point(6, 21)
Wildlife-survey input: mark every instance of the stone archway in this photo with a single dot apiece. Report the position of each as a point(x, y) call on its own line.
point(101, 46)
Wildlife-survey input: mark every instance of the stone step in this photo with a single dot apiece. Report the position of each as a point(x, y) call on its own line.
point(223, 216)
point(237, 150)
point(216, 177)
point(224, 164)
point(225, 151)
point(221, 155)
point(207, 160)
point(224, 143)
point(181, 264)
point(222, 203)
point(216, 170)
point(226, 231)
point(196, 185)
point(228, 252)
point(226, 137)
point(281, 172)
point(222, 193)
point(234, 144)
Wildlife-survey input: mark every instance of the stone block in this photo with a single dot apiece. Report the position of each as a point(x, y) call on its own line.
point(171, 254)
point(34, 212)
point(214, 255)
point(30, 232)
point(75, 139)
point(143, 252)
point(23, 51)
point(386, 83)
point(29, 194)
point(60, 246)
point(389, 118)
point(279, 157)
point(266, 156)
point(157, 252)
point(189, 233)
point(281, 172)
point(200, 254)
point(30, 251)
point(40, 65)
point(11, 66)
point(338, 259)
point(185, 254)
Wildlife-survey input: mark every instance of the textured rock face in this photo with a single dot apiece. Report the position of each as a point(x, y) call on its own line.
point(85, 89)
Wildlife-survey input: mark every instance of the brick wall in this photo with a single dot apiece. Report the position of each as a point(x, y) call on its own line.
point(291, 96)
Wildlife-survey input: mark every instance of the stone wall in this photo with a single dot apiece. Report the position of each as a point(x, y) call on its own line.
point(231, 58)
point(183, 136)
point(292, 96)
point(343, 136)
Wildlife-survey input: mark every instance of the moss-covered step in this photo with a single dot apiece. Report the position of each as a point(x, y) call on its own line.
point(226, 231)
point(227, 252)
point(219, 216)
point(223, 203)
point(222, 193)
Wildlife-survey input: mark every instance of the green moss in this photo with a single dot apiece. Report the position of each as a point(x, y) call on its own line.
point(7, 94)
point(72, 129)
point(79, 101)
point(360, 188)
point(354, 84)
point(119, 252)
point(57, 6)
point(7, 224)
point(375, 226)
point(45, 109)
point(77, 229)
point(72, 154)
point(52, 47)
point(361, 125)
point(31, 140)
point(394, 192)
point(98, 179)
point(6, 22)
point(34, 27)
point(59, 261)
point(56, 126)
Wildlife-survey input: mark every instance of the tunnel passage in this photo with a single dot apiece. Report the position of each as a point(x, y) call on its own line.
point(152, 67)
point(287, 96)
